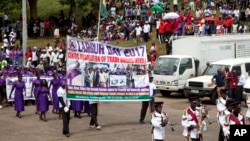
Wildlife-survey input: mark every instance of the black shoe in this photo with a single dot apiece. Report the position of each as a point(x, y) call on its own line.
point(142, 122)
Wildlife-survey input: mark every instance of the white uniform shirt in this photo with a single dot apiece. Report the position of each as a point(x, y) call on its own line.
point(62, 93)
point(158, 130)
point(221, 107)
point(228, 121)
point(152, 87)
point(187, 121)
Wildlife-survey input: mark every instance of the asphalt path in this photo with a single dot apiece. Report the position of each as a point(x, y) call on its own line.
point(119, 121)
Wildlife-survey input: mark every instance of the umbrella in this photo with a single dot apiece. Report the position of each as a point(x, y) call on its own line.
point(171, 15)
point(209, 19)
point(157, 8)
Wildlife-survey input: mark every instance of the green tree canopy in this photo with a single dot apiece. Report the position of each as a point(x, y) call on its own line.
point(86, 6)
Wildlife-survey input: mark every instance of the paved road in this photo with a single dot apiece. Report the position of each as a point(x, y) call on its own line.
point(119, 121)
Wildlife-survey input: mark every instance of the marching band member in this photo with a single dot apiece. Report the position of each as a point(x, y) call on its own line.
point(221, 107)
point(203, 114)
point(235, 118)
point(190, 121)
point(159, 121)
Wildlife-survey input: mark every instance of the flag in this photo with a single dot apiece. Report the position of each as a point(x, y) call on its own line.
point(103, 10)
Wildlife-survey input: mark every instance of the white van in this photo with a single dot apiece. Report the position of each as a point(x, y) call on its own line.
point(202, 85)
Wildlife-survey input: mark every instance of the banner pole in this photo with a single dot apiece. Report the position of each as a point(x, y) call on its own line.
point(99, 20)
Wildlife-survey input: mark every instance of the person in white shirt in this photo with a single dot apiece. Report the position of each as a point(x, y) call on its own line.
point(41, 28)
point(159, 120)
point(29, 63)
point(158, 22)
point(239, 89)
point(138, 31)
point(64, 105)
point(54, 58)
point(221, 107)
point(5, 41)
point(197, 13)
point(43, 55)
point(94, 112)
point(152, 93)
point(146, 30)
point(34, 57)
point(175, 4)
point(190, 121)
point(207, 12)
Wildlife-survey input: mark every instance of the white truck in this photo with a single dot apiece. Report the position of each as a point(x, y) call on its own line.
point(203, 85)
point(190, 58)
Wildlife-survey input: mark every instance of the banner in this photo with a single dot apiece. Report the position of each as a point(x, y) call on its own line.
point(28, 84)
point(98, 71)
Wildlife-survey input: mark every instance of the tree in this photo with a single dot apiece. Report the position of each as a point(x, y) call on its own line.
point(33, 8)
point(10, 6)
point(85, 5)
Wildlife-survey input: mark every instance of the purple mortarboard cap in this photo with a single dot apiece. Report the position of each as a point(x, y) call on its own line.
point(63, 83)
point(50, 73)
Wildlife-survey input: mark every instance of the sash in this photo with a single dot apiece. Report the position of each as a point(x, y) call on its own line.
point(235, 119)
point(193, 116)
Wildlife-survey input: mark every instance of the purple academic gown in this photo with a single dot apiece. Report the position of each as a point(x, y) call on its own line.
point(86, 107)
point(18, 99)
point(77, 105)
point(43, 100)
point(55, 85)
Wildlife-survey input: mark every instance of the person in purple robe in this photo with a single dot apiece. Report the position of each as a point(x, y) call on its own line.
point(43, 101)
point(86, 107)
point(19, 87)
point(2, 88)
point(74, 72)
point(77, 107)
point(34, 89)
point(55, 83)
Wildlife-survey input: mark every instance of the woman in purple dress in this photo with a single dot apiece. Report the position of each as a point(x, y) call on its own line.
point(43, 101)
point(2, 88)
point(19, 87)
point(35, 86)
point(55, 83)
point(77, 107)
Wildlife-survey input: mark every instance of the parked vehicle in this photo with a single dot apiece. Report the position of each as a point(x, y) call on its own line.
point(202, 85)
point(190, 58)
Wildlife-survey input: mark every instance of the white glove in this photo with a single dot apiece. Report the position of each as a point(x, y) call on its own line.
point(66, 109)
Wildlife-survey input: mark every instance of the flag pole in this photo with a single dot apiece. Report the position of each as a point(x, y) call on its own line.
point(24, 32)
point(99, 20)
